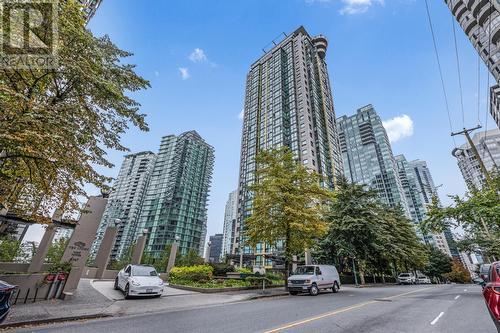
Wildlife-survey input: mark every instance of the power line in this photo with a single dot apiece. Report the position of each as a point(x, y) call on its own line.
point(440, 70)
point(458, 70)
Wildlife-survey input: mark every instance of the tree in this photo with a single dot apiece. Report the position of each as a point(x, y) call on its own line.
point(287, 200)
point(478, 213)
point(55, 124)
point(439, 263)
point(458, 273)
point(375, 235)
point(160, 263)
point(56, 251)
point(10, 249)
point(191, 258)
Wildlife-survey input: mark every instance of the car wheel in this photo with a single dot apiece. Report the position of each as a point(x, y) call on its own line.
point(314, 291)
point(126, 292)
point(293, 293)
point(335, 288)
point(116, 284)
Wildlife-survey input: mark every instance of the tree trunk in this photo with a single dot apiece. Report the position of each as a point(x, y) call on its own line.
point(383, 278)
point(287, 261)
point(361, 276)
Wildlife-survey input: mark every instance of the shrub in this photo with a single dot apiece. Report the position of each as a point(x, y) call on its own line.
point(274, 276)
point(244, 270)
point(222, 269)
point(199, 273)
point(257, 280)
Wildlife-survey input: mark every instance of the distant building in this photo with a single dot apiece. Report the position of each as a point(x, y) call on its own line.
point(63, 233)
point(288, 103)
point(90, 7)
point(229, 231)
point(488, 146)
point(419, 189)
point(125, 203)
point(215, 248)
point(368, 158)
point(176, 198)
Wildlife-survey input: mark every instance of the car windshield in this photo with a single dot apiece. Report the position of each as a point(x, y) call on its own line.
point(143, 271)
point(404, 275)
point(304, 270)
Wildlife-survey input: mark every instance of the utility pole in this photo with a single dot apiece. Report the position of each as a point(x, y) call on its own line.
point(466, 132)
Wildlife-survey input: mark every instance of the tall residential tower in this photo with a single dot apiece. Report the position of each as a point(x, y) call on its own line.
point(368, 158)
point(230, 214)
point(288, 102)
point(176, 199)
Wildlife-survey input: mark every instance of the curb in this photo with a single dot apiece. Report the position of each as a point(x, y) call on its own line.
point(53, 320)
point(268, 296)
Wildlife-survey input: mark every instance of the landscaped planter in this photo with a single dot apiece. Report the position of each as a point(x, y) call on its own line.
point(220, 290)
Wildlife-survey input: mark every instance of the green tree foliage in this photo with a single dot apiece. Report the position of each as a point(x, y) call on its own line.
point(376, 235)
point(287, 201)
point(160, 263)
point(56, 124)
point(124, 260)
point(439, 263)
point(478, 213)
point(10, 249)
point(56, 251)
point(191, 258)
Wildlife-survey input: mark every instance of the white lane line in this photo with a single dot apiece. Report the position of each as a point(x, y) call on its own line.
point(465, 289)
point(457, 297)
point(437, 318)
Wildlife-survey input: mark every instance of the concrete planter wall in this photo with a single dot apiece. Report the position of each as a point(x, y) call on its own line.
point(14, 267)
point(32, 287)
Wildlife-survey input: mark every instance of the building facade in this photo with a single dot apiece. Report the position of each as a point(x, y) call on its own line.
point(125, 203)
point(90, 7)
point(488, 146)
point(419, 189)
point(288, 102)
point(495, 104)
point(175, 202)
point(229, 231)
point(215, 248)
point(367, 156)
point(480, 20)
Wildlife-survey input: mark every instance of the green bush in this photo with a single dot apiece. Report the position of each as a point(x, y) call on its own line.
point(274, 276)
point(199, 273)
point(257, 280)
point(221, 269)
point(244, 270)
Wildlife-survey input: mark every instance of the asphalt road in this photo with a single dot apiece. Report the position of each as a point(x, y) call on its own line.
point(444, 308)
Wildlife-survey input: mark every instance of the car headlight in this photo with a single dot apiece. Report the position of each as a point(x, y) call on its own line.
point(135, 283)
point(307, 281)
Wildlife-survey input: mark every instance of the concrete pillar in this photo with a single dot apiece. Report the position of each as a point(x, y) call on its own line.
point(79, 244)
point(294, 263)
point(43, 248)
point(207, 252)
point(308, 258)
point(138, 250)
point(173, 255)
point(102, 258)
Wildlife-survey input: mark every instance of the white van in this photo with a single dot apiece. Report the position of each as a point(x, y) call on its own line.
point(313, 278)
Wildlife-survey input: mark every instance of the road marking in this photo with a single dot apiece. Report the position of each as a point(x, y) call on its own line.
point(456, 297)
point(437, 318)
point(342, 310)
point(465, 289)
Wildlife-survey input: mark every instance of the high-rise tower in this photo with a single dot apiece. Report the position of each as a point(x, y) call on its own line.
point(288, 102)
point(368, 158)
point(177, 195)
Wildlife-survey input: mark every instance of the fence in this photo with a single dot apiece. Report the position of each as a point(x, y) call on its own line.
point(35, 287)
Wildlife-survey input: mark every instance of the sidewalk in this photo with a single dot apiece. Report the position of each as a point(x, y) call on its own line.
point(95, 299)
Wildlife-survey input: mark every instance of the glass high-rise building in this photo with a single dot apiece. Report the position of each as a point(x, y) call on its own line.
point(488, 146)
point(419, 189)
point(230, 214)
point(176, 199)
point(288, 102)
point(125, 202)
point(368, 158)
point(90, 7)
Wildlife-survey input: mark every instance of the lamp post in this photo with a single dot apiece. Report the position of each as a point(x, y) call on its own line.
point(207, 252)
point(354, 270)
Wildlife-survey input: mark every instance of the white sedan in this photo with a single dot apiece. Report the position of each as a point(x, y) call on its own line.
point(139, 280)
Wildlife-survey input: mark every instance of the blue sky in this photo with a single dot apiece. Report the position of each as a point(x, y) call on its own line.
point(196, 55)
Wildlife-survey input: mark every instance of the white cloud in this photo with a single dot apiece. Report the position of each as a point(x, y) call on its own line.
point(198, 55)
point(184, 73)
point(398, 127)
point(241, 115)
point(352, 7)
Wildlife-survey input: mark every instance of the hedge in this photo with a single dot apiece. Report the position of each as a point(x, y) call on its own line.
point(200, 273)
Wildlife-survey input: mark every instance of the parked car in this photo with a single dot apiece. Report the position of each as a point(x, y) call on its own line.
point(422, 279)
point(6, 292)
point(313, 278)
point(406, 278)
point(491, 293)
point(139, 280)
